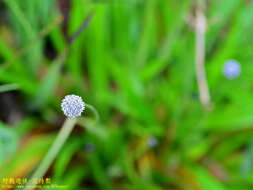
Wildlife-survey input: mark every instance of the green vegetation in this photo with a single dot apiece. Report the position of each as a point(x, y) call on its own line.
point(134, 61)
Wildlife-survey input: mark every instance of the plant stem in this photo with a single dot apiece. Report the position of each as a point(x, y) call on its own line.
point(200, 57)
point(95, 112)
point(53, 151)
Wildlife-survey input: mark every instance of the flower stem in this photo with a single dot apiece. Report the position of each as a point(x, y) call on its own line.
point(200, 54)
point(95, 112)
point(53, 151)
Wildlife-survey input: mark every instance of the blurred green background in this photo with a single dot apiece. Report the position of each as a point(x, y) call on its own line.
point(134, 61)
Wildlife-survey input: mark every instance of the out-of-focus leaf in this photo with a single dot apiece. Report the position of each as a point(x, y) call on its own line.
point(47, 86)
point(65, 156)
point(99, 174)
point(8, 142)
point(247, 162)
point(8, 87)
point(27, 157)
point(206, 180)
point(73, 178)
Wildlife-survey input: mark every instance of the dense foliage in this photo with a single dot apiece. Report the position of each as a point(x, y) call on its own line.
point(134, 61)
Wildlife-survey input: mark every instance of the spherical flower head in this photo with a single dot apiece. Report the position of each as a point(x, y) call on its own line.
point(232, 69)
point(72, 106)
point(152, 141)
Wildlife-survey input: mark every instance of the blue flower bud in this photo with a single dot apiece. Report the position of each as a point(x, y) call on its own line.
point(231, 69)
point(89, 147)
point(152, 141)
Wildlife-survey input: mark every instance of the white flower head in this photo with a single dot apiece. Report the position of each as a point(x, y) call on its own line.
point(72, 106)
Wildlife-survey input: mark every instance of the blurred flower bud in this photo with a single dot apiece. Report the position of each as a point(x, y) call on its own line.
point(231, 69)
point(152, 141)
point(89, 147)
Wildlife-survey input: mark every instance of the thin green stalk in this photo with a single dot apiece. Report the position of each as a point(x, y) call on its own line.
point(94, 111)
point(53, 151)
